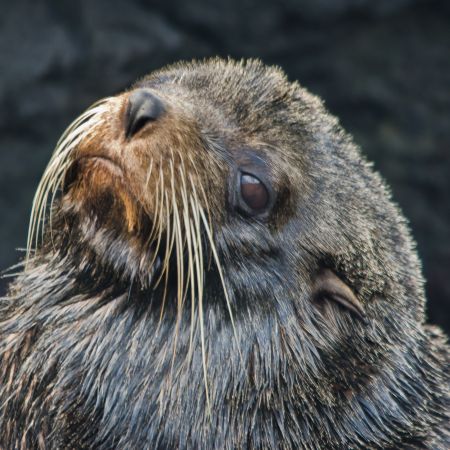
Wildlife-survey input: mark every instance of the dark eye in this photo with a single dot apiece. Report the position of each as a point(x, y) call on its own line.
point(253, 192)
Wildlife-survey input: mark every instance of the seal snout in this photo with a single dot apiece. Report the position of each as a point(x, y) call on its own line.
point(143, 107)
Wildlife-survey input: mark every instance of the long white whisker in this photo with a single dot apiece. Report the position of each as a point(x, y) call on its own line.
point(199, 273)
point(180, 260)
point(159, 205)
point(189, 230)
point(222, 279)
point(58, 164)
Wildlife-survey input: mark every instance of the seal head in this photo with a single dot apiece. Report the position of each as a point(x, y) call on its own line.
point(219, 268)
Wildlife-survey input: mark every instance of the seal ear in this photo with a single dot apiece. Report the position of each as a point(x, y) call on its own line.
point(328, 286)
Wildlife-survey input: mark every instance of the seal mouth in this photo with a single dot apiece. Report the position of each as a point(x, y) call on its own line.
point(96, 161)
point(97, 186)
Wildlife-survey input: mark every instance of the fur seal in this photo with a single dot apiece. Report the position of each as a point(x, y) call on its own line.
point(214, 265)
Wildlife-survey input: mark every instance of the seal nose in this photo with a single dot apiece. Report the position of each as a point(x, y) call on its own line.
point(143, 107)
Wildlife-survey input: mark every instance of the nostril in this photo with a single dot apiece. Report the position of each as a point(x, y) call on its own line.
point(143, 107)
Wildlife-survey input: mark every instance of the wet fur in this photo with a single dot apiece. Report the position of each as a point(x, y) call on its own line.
point(87, 360)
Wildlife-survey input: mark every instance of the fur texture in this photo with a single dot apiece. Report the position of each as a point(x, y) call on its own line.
point(94, 354)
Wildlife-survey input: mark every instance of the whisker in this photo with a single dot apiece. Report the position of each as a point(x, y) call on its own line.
point(55, 170)
point(185, 210)
point(222, 279)
point(59, 182)
point(189, 230)
point(164, 265)
point(180, 272)
point(149, 173)
point(199, 273)
point(205, 199)
point(158, 219)
point(170, 240)
point(193, 251)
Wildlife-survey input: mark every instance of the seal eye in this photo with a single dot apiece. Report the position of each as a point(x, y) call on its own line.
point(254, 193)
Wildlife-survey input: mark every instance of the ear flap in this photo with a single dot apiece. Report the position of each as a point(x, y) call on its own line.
point(328, 286)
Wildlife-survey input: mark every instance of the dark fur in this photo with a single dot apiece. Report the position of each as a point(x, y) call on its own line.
point(84, 364)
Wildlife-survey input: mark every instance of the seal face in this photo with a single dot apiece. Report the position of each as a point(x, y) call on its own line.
point(212, 264)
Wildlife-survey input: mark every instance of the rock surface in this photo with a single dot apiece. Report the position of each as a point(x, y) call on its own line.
point(382, 67)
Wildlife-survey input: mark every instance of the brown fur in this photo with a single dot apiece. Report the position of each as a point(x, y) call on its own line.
point(140, 323)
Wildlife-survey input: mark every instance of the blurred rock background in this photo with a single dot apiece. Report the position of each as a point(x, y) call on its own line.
point(382, 66)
